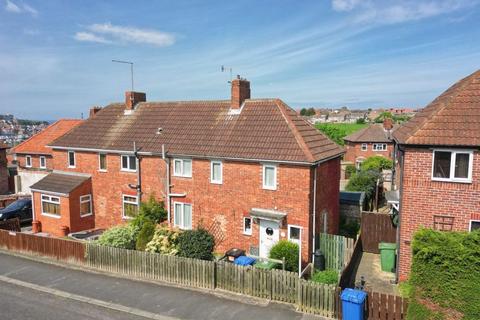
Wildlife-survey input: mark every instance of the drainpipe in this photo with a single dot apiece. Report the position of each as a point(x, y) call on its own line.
point(167, 184)
point(314, 212)
point(139, 175)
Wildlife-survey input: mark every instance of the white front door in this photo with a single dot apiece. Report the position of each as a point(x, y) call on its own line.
point(269, 235)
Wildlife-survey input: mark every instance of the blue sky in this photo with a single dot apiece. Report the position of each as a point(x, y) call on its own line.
point(55, 56)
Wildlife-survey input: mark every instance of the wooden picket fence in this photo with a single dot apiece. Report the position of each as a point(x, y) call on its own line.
point(376, 228)
point(381, 306)
point(60, 249)
point(337, 250)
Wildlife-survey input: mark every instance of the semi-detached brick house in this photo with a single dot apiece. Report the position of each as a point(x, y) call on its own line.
point(440, 166)
point(248, 170)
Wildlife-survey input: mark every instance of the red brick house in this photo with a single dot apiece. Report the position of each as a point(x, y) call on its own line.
point(374, 140)
point(440, 166)
point(33, 158)
point(250, 171)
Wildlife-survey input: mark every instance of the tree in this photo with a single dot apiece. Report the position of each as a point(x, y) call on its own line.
point(365, 181)
point(378, 163)
point(310, 112)
point(382, 116)
point(303, 112)
point(360, 121)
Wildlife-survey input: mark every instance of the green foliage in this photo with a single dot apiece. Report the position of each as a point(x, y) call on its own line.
point(119, 237)
point(382, 116)
point(325, 277)
point(349, 229)
point(307, 112)
point(360, 121)
point(417, 311)
point(364, 180)
point(337, 131)
point(196, 244)
point(377, 163)
point(350, 170)
point(145, 235)
point(289, 251)
point(151, 210)
point(446, 270)
point(164, 241)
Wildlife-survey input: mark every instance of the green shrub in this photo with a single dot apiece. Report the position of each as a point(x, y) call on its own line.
point(378, 163)
point(289, 251)
point(446, 270)
point(364, 180)
point(326, 277)
point(164, 241)
point(145, 235)
point(119, 237)
point(350, 170)
point(196, 244)
point(152, 210)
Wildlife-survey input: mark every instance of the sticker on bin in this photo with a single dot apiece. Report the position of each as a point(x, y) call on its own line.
point(352, 295)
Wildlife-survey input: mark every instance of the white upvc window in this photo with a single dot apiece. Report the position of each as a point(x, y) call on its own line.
point(86, 205)
point(129, 206)
point(71, 159)
point(182, 168)
point(216, 172)
point(294, 233)
point(452, 165)
point(129, 163)
point(102, 162)
point(50, 206)
point(474, 225)
point(379, 147)
point(247, 226)
point(28, 161)
point(43, 162)
point(269, 177)
point(364, 147)
point(182, 215)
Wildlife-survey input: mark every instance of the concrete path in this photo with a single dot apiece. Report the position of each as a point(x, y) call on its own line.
point(99, 291)
point(375, 278)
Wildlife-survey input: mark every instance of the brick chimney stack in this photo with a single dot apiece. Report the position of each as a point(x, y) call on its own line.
point(388, 124)
point(240, 92)
point(93, 111)
point(132, 98)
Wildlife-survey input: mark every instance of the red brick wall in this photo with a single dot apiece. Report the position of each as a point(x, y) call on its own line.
point(22, 162)
point(423, 198)
point(3, 172)
point(328, 186)
point(354, 151)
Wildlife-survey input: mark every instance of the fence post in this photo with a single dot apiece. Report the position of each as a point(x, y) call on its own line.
point(214, 280)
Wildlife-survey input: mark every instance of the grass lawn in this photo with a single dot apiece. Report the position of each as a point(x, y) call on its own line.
point(337, 131)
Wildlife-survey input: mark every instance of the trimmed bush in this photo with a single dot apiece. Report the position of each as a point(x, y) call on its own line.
point(151, 210)
point(119, 237)
point(326, 277)
point(446, 271)
point(289, 251)
point(196, 244)
point(164, 241)
point(378, 163)
point(145, 235)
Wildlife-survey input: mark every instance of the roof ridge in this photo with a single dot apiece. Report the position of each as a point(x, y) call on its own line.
point(35, 135)
point(298, 137)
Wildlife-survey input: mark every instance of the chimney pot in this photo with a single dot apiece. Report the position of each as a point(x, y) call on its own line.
point(240, 92)
point(132, 98)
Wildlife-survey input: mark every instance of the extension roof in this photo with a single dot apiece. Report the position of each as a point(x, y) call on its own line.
point(265, 129)
point(452, 119)
point(62, 183)
point(37, 144)
point(372, 133)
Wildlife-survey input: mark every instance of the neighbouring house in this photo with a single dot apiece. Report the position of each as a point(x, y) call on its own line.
point(251, 171)
point(3, 169)
point(438, 153)
point(33, 158)
point(374, 140)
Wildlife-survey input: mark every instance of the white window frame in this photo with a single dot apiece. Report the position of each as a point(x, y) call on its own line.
point(129, 157)
point(50, 200)
point(364, 147)
point(212, 180)
point(247, 233)
point(182, 167)
point(84, 199)
point(100, 162)
point(129, 202)
point(375, 147)
point(182, 223)
point(453, 158)
point(470, 224)
point(44, 166)
point(28, 161)
point(74, 159)
point(274, 177)
point(297, 241)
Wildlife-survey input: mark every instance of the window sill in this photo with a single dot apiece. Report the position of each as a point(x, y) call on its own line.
point(216, 182)
point(71, 167)
point(185, 177)
point(86, 215)
point(125, 170)
point(466, 181)
point(269, 188)
point(51, 215)
point(247, 234)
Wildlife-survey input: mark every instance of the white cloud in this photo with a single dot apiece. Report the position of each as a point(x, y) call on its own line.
point(20, 8)
point(108, 33)
point(391, 11)
point(89, 37)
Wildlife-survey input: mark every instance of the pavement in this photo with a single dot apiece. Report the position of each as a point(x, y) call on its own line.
point(375, 278)
point(32, 289)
